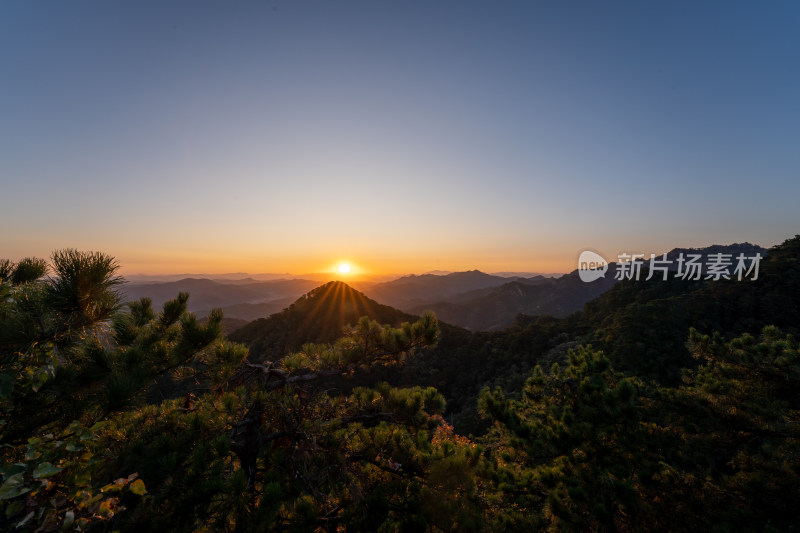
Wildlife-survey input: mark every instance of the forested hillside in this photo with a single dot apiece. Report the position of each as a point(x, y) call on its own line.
point(661, 406)
point(318, 316)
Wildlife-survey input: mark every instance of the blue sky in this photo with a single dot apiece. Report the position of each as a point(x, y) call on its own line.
point(401, 136)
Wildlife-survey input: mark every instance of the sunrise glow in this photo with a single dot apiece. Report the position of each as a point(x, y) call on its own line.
point(507, 153)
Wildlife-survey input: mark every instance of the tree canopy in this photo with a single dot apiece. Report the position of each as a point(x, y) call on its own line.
point(124, 417)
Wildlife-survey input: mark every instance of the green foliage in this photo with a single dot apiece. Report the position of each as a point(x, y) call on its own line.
point(82, 291)
point(137, 419)
point(6, 270)
point(61, 382)
point(141, 311)
point(587, 448)
point(567, 449)
point(52, 486)
point(27, 270)
point(739, 410)
point(642, 325)
point(44, 334)
point(269, 449)
point(221, 442)
point(368, 343)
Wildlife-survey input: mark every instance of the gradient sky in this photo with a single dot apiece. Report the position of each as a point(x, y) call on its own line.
point(401, 136)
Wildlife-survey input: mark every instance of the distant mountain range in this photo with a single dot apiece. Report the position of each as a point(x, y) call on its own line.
point(501, 274)
point(479, 301)
point(496, 307)
point(473, 299)
point(527, 274)
point(231, 277)
point(240, 299)
point(411, 291)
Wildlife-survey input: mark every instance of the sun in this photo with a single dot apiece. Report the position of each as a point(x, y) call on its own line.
point(344, 268)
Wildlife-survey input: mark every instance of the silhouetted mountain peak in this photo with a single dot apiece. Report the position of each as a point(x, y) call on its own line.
point(320, 315)
point(333, 294)
point(326, 290)
point(469, 274)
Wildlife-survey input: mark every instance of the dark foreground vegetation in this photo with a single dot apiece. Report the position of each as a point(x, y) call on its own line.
point(661, 406)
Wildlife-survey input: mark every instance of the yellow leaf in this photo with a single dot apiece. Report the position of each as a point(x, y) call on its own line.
point(138, 488)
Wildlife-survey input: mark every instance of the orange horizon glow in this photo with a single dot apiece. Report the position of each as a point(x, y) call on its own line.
point(547, 255)
point(172, 264)
point(365, 261)
point(354, 270)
